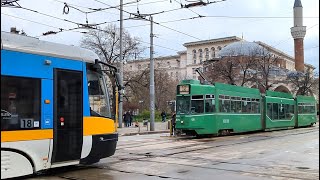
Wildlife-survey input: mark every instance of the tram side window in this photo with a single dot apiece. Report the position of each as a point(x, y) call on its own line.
point(300, 108)
point(269, 110)
point(312, 109)
point(197, 104)
point(20, 103)
point(210, 103)
point(289, 111)
point(282, 112)
point(255, 106)
point(246, 105)
point(306, 108)
point(275, 112)
point(235, 104)
point(224, 103)
point(98, 95)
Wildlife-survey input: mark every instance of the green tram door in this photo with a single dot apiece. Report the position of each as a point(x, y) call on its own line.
point(68, 116)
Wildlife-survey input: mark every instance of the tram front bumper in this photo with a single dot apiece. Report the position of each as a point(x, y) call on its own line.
point(103, 145)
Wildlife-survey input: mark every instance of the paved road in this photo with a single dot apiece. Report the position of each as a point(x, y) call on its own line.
point(281, 155)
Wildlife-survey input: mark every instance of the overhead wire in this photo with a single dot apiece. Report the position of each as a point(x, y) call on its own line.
point(145, 24)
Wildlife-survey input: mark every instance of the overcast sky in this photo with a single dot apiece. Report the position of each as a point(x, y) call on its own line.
point(268, 21)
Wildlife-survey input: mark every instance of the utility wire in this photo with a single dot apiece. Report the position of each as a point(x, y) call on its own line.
point(285, 40)
point(187, 8)
point(177, 31)
point(31, 21)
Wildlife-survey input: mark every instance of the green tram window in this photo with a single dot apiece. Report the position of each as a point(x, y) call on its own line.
point(289, 111)
point(235, 104)
point(224, 103)
point(269, 110)
point(282, 111)
point(277, 111)
point(246, 105)
point(183, 104)
point(20, 103)
point(197, 104)
point(306, 108)
point(210, 103)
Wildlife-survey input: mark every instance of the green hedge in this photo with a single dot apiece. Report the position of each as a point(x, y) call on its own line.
point(145, 114)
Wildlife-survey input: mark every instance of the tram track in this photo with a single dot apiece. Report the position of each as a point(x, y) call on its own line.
point(259, 170)
point(243, 141)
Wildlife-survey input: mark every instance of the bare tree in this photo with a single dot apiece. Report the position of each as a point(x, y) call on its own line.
point(138, 89)
point(303, 83)
point(264, 70)
point(233, 69)
point(106, 44)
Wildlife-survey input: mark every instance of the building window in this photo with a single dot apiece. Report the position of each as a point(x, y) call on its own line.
point(194, 52)
point(171, 74)
point(158, 65)
point(219, 48)
point(131, 67)
point(20, 103)
point(139, 66)
point(194, 70)
point(213, 52)
point(168, 63)
point(207, 53)
point(200, 55)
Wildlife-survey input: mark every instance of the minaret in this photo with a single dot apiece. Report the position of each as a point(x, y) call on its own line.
point(298, 31)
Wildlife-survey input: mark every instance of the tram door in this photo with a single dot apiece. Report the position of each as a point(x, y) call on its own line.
point(68, 115)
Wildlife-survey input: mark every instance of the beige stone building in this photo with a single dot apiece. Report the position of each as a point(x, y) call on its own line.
point(183, 64)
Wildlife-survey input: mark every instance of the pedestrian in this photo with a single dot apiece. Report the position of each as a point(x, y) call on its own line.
point(173, 122)
point(127, 118)
point(130, 118)
point(163, 116)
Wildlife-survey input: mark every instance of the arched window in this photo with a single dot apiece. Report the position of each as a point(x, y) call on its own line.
point(158, 65)
point(200, 55)
point(168, 63)
point(194, 52)
point(213, 52)
point(206, 50)
point(219, 48)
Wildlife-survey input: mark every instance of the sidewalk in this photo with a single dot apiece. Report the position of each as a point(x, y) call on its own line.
point(159, 127)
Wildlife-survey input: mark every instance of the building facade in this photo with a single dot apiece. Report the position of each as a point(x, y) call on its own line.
point(199, 53)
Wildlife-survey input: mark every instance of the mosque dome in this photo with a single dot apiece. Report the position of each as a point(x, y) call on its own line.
point(242, 48)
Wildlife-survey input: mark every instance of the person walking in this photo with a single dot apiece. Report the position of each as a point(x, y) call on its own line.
point(124, 119)
point(130, 118)
point(173, 122)
point(127, 118)
point(163, 116)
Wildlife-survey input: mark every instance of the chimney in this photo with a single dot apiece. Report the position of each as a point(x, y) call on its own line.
point(14, 30)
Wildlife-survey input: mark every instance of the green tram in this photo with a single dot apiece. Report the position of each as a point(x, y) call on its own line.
point(221, 109)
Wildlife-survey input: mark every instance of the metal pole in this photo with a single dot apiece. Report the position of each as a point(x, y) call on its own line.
point(152, 98)
point(121, 65)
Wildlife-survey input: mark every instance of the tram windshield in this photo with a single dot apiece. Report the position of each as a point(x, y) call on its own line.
point(98, 94)
point(183, 104)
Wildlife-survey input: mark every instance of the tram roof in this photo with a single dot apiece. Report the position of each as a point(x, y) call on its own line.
point(21, 43)
point(279, 94)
